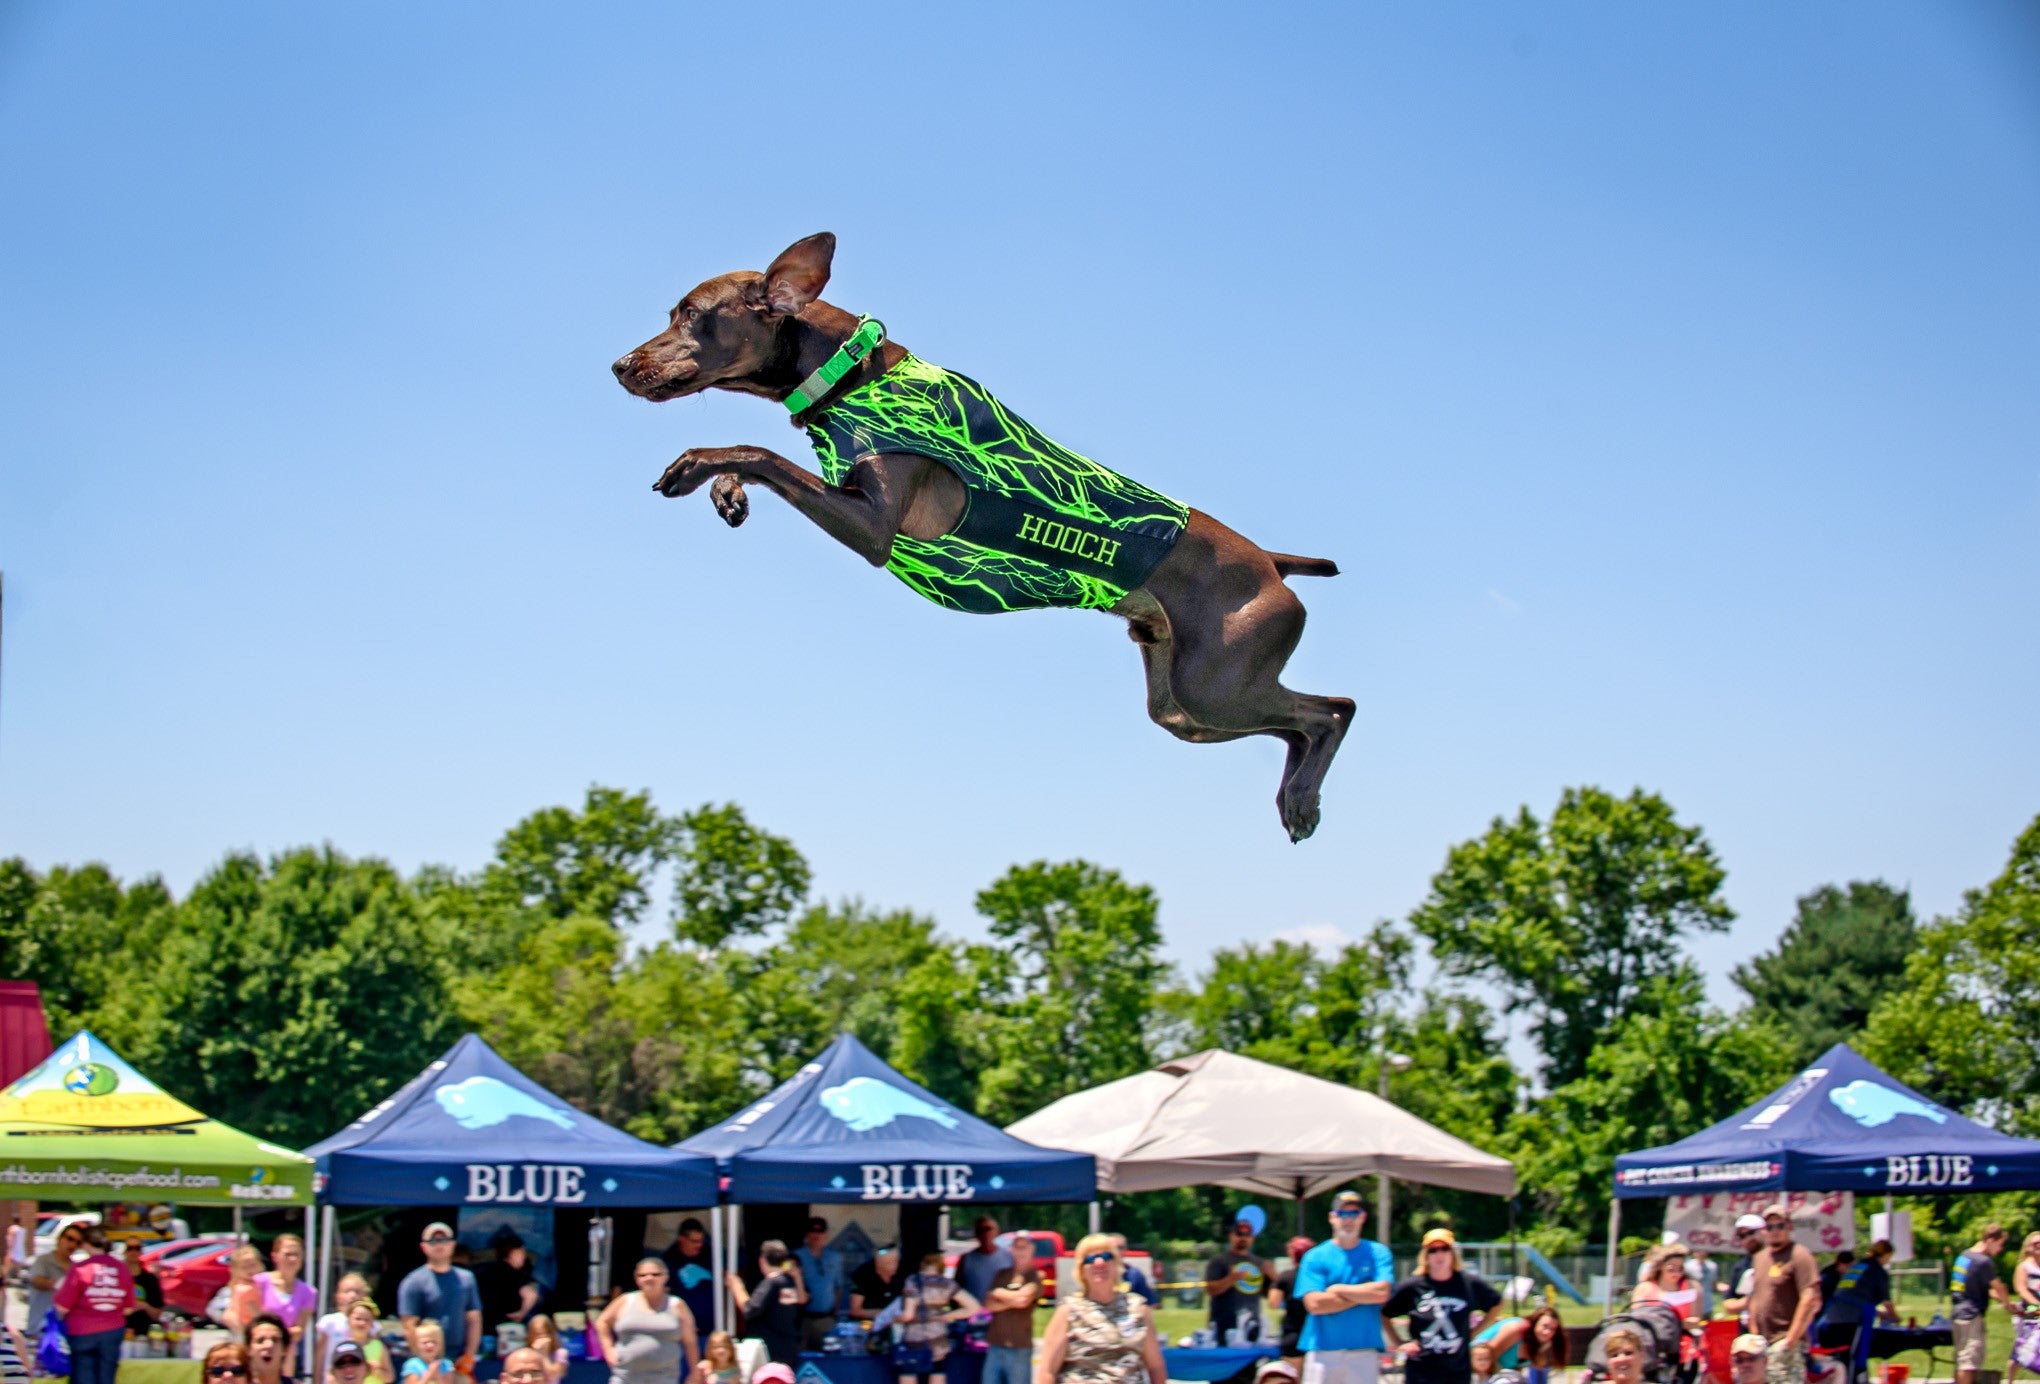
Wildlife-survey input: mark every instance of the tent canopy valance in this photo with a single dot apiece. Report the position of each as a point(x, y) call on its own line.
point(1841, 1125)
point(473, 1130)
point(83, 1125)
point(847, 1127)
point(1221, 1119)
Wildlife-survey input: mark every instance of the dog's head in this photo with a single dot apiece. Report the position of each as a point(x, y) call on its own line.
point(730, 329)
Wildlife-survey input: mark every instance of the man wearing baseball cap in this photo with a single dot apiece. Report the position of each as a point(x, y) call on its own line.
point(1785, 1298)
point(1343, 1283)
point(439, 1290)
point(1749, 1238)
point(1747, 1354)
point(1235, 1279)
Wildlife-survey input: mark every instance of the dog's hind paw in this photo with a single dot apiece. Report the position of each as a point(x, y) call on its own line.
point(1299, 818)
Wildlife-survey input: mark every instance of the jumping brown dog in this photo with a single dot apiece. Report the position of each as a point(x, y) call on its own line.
point(1214, 621)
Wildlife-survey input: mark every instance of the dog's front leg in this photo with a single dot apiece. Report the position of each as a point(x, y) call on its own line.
point(863, 516)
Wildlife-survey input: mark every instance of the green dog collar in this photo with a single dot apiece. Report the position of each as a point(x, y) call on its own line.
point(870, 331)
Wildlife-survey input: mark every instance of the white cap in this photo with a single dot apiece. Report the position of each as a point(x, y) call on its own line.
point(1751, 1221)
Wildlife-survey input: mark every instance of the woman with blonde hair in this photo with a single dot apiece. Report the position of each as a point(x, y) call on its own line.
point(1444, 1301)
point(1665, 1281)
point(1103, 1334)
point(1624, 1349)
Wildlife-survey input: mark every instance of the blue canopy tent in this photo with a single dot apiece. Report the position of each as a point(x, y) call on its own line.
point(471, 1130)
point(1841, 1125)
point(847, 1127)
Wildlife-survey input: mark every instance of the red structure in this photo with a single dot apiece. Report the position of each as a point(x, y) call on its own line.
point(24, 1032)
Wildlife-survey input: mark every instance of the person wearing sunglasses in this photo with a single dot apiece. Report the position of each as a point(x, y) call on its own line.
point(1103, 1334)
point(1444, 1302)
point(1343, 1283)
point(1785, 1297)
point(227, 1363)
point(46, 1274)
point(441, 1291)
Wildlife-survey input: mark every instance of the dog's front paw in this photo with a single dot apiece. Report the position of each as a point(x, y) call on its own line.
point(691, 470)
point(727, 494)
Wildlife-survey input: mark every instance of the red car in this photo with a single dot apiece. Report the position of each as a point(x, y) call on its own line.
point(191, 1280)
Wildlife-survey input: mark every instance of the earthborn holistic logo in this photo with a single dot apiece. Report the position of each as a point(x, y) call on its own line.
point(258, 1187)
point(91, 1079)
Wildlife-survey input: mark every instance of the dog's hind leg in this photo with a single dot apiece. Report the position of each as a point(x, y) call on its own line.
point(1147, 624)
point(1225, 679)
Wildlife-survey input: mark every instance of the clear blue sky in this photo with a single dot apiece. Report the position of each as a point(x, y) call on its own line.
point(1663, 377)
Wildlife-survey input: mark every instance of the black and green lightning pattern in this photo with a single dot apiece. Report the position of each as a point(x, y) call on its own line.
point(1099, 534)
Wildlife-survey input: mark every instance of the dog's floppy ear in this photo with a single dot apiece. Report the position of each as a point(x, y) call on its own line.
point(796, 277)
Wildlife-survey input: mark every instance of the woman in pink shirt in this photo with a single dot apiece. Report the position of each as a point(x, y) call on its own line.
point(94, 1300)
point(286, 1296)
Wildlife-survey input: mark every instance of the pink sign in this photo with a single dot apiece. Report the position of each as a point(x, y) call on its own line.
point(1822, 1221)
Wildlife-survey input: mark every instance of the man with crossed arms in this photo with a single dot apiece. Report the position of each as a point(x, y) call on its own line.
point(1342, 1284)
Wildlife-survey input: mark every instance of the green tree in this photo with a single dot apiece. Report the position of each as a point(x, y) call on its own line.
point(79, 934)
point(1067, 1001)
point(734, 879)
point(836, 969)
point(290, 997)
point(594, 863)
point(1670, 1067)
point(1964, 1025)
point(1575, 918)
point(1844, 949)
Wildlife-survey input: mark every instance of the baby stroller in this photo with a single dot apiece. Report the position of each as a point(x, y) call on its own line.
point(1659, 1329)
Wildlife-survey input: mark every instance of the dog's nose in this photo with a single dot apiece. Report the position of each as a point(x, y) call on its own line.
point(624, 365)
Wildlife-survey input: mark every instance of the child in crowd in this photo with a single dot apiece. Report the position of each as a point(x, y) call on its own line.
point(544, 1337)
point(430, 1365)
point(331, 1329)
point(719, 1360)
point(363, 1317)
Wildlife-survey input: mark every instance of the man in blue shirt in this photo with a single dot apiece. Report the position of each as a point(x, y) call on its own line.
point(821, 1274)
point(1342, 1284)
point(441, 1291)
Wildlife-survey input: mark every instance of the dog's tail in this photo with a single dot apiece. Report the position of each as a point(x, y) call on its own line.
point(1289, 565)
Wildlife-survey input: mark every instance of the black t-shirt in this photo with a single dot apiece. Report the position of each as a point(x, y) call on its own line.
point(1441, 1322)
point(1294, 1313)
point(877, 1293)
point(1974, 1273)
point(693, 1280)
point(1238, 1308)
point(502, 1290)
point(774, 1314)
point(149, 1289)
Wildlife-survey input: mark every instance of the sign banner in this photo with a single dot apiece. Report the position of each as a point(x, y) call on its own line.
point(1822, 1221)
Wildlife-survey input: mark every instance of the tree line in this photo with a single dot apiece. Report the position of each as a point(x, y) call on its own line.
point(286, 995)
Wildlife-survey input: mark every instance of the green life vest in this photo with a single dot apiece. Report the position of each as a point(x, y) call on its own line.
point(1042, 527)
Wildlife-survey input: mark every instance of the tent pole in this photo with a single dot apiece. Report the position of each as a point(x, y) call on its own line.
point(1512, 1254)
point(1384, 1207)
point(1095, 1221)
point(715, 1257)
point(1300, 1193)
point(239, 1238)
point(329, 1251)
point(311, 1266)
point(1614, 1237)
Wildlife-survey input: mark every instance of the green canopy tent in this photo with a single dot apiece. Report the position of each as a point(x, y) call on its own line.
point(85, 1126)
